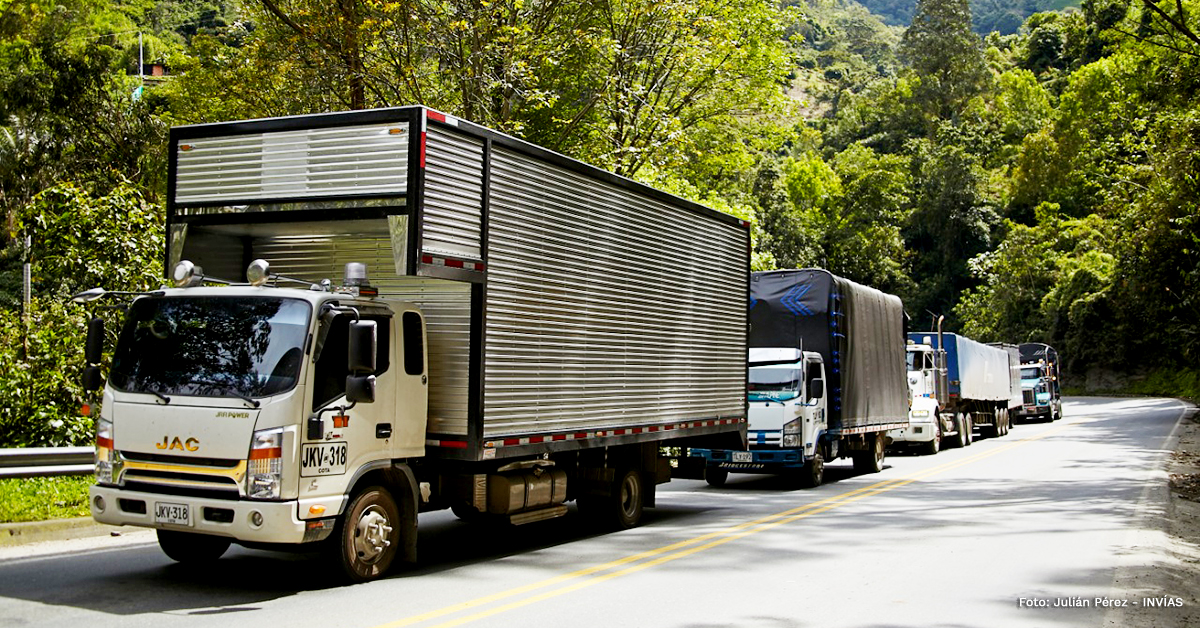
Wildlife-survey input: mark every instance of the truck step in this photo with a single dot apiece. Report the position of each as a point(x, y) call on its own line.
point(540, 514)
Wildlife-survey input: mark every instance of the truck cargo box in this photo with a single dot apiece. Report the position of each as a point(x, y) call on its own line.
point(859, 332)
point(566, 307)
point(975, 371)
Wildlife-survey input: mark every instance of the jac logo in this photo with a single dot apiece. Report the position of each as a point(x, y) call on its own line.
point(191, 444)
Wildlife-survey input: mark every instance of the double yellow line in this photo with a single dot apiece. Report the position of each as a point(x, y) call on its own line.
point(596, 574)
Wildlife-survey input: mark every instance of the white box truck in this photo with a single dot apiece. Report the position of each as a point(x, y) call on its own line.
point(515, 330)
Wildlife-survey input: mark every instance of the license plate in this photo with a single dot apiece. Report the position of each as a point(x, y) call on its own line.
point(174, 514)
point(323, 459)
point(743, 456)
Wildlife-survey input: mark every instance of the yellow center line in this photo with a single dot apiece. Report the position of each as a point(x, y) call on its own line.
point(683, 549)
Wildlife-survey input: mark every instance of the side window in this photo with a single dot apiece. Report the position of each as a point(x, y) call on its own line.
point(414, 344)
point(329, 381)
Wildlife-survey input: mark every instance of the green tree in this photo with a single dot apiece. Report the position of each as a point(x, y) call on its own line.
point(946, 56)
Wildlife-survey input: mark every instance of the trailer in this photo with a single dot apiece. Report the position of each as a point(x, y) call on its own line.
point(827, 381)
point(434, 315)
point(1041, 393)
point(962, 384)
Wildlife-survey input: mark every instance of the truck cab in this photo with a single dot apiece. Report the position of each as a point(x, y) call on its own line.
point(787, 419)
point(248, 413)
point(1040, 398)
point(928, 425)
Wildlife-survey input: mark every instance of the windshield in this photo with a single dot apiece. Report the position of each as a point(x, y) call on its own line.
point(211, 346)
point(1031, 373)
point(918, 360)
point(775, 382)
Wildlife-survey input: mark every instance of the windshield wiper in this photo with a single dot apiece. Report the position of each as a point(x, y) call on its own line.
point(230, 391)
point(165, 399)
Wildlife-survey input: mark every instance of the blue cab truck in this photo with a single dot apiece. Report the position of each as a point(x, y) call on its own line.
point(1041, 395)
point(827, 377)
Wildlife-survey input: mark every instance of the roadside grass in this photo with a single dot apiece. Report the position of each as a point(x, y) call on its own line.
point(39, 499)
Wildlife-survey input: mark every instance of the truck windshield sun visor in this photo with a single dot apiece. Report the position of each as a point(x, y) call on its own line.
point(240, 347)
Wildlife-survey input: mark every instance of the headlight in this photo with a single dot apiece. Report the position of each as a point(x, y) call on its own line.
point(108, 459)
point(264, 473)
point(1043, 397)
point(791, 433)
point(920, 414)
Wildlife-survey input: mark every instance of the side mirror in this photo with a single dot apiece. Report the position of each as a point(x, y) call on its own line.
point(93, 349)
point(363, 345)
point(92, 379)
point(816, 389)
point(360, 388)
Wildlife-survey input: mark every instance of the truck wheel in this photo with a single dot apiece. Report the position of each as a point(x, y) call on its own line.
point(870, 461)
point(368, 535)
point(188, 547)
point(813, 472)
point(935, 445)
point(968, 429)
point(715, 476)
point(627, 500)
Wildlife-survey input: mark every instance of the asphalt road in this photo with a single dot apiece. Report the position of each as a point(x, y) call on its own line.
point(983, 536)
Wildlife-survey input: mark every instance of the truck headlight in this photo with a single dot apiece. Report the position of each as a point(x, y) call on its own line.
point(791, 433)
point(1043, 397)
point(264, 473)
point(108, 459)
point(920, 414)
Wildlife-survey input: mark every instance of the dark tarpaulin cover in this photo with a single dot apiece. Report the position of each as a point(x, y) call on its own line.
point(858, 331)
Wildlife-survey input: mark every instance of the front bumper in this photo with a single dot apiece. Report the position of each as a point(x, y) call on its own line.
point(219, 517)
point(915, 433)
point(1033, 411)
point(753, 461)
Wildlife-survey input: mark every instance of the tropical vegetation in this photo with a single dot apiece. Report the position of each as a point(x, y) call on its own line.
point(1038, 182)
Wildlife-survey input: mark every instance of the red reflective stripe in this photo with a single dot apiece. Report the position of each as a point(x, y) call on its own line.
point(268, 452)
point(453, 263)
point(559, 437)
point(453, 444)
point(433, 115)
point(536, 439)
point(104, 442)
point(509, 442)
point(422, 149)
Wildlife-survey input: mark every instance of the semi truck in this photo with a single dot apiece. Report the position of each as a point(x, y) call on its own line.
point(958, 385)
point(434, 315)
point(826, 377)
point(1041, 395)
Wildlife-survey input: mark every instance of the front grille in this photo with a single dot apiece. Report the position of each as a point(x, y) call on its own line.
point(182, 491)
point(1028, 396)
point(218, 463)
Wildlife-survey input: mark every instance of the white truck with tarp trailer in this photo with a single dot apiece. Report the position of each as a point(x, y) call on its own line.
point(515, 330)
point(958, 385)
point(826, 377)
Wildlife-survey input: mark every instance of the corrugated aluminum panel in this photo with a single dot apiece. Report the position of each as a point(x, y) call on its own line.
point(446, 304)
point(353, 160)
point(606, 308)
point(453, 194)
point(447, 308)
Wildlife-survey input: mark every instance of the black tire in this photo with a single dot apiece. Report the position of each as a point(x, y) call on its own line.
point(368, 536)
point(968, 429)
point(191, 548)
point(715, 476)
point(812, 474)
point(870, 461)
point(935, 445)
point(627, 500)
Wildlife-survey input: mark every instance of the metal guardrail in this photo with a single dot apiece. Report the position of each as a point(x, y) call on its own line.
point(31, 462)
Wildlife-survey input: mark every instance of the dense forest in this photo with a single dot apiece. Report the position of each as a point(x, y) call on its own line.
point(1039, 185)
